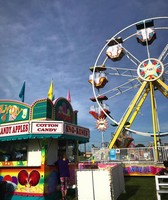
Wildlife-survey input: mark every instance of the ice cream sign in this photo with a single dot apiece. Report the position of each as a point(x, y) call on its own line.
point(13, 112)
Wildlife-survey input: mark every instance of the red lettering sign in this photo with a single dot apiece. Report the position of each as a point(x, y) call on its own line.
point(76, 130)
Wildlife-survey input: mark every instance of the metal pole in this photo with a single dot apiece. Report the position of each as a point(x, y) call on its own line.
point(127, 114)
point(154, 119)
point(102, 139)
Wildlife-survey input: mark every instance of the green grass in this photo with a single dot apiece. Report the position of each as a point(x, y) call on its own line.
point(137, 188)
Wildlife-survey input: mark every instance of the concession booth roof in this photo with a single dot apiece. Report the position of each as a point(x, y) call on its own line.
point(43, 119)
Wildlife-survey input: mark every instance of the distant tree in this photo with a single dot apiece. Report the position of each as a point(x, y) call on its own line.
point(140, 145)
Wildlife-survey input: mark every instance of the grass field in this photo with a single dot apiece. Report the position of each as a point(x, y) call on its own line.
point(137, 188)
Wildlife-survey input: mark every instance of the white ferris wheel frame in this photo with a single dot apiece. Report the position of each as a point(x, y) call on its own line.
point(127, 71)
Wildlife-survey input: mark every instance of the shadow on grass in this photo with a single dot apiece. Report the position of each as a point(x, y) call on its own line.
point(71, 194)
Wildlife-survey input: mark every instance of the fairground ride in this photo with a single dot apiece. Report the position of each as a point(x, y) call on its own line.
point(131, 75)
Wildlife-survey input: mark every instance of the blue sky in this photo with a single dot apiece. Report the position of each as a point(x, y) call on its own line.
point(42, 40)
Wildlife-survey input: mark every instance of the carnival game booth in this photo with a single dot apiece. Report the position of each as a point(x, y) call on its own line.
point(31, 139)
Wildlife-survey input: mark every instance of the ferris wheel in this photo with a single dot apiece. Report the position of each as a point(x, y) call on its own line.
point(130, 80)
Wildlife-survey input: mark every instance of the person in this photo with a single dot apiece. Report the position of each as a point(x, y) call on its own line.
point(63, 168)
point(164, 171)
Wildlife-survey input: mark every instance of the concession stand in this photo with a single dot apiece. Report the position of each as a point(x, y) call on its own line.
point(31, 139)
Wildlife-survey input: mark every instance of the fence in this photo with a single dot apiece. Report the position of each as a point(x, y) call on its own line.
point(129, 154)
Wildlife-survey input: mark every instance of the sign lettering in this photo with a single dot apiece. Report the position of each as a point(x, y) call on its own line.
point(47, 127)
point(76, 130)
point(15, 129)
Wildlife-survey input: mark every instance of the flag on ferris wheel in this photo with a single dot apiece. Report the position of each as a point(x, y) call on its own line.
point(50, 91)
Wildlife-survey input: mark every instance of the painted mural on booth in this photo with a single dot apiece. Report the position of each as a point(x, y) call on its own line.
point(12, 111)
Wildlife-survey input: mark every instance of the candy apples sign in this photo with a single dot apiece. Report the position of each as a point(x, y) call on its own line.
point(15, 129)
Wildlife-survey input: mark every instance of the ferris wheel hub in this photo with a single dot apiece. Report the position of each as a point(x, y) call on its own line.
point(150, 69)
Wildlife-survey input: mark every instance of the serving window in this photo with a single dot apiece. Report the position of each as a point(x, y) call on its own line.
point(13, 150)
point(72, 150)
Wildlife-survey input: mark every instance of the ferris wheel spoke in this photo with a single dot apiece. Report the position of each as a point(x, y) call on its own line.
point(165, 75)
point(131, 57)
point(116, 71)
point(165, 79)
point(166, 66)
point(164, 54)
point(123, 88)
